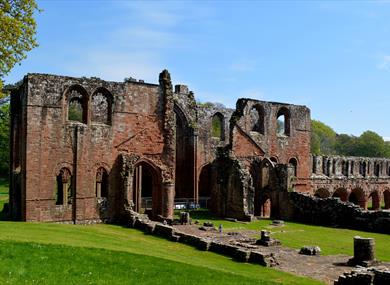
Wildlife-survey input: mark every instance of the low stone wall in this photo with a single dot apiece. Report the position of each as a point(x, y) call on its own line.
point(332, 212)
point(364, 276)
point(141, 222)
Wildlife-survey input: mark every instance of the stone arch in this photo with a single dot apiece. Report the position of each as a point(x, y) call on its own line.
point(205, 185)
point(64, 189)
point(147, 196)
point(341, 193)
point(357, 197)
point(377, 169)
point(101, 185)
point(322, 193)
point(218, 126)
point(257, 115)
point(185, 156)
point(386, 198)
point(293, 166)
point(374, 200)
point(273, 160)
point(283, 122)
point(76, 104)
point(101, 106)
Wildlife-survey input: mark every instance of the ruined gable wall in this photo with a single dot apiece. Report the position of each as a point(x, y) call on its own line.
point(51, 140)
point(296, 144)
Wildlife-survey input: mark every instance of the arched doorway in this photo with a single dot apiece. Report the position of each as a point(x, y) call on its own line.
point(322, 193)
point(341, 193)
point(205, 186)
point(184, 170)
point(146, 189)
point(357, 197)
point(374, 201)
point(263, 201)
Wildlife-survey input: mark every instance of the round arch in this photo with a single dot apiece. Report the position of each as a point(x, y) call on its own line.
point(322, 193)
point(341, 193)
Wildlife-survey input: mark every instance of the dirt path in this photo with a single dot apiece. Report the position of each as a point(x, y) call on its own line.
point(324, 268)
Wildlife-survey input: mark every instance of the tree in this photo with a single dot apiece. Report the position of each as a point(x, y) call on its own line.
point(323, 138)
point(17, 33)
point(346, 145)
point(370, 144)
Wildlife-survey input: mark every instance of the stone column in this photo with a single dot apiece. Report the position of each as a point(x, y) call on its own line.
point(168, 199)
point(363, 251)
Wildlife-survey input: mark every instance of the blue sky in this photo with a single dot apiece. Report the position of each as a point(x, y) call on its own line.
point(333, 57)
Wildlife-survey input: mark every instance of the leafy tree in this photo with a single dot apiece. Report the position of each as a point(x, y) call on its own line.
point(346, 144)
point(323, 138)
point(17, 33)
point(4, 139)
point(370, 144)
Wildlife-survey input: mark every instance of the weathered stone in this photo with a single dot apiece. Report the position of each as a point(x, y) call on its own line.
point(310, 250)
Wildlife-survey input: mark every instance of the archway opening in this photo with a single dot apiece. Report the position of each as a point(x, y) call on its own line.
point(342, 194)
point(184, 170)
point(145, 188)
point(205, 186)
point(374, 202)
point(101, 183)
point(357, 197)
point(322, 193)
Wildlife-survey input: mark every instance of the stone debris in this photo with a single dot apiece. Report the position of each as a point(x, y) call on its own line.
point(310, 250)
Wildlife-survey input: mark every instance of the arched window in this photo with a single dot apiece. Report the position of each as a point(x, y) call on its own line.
point(77, 103)
point(101, 183)
point(63, 193)
point(293, 166)
point(257, 119)
point(102, 106)
point(283, 122)
point(217, 126)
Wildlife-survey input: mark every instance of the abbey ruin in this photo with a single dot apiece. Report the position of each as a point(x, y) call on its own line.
point(88, 150)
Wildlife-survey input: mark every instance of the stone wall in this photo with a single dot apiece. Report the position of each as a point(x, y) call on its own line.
point(332, 212)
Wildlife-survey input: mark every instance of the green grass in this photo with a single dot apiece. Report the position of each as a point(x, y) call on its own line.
point(330, 240)
point(137, 251)
point(3, 192)
point(23, 263)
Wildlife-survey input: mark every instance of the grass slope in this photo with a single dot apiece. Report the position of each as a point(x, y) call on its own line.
point(28, 263)
point(331, 240)
point(124, 240)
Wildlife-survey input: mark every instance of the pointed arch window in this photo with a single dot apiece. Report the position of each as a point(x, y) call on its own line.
point(101, 183)
point(283, 122)
point(257, 119)
point(63, 193)
point(217, 126)
point(77, 104)
point(101, 107)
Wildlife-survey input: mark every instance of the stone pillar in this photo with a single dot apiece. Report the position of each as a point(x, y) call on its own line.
point(363, 251)
point(168, 199)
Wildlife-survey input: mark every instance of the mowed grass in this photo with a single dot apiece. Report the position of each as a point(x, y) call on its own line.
point(65, 254)
point(332, 241)
point(31, 263)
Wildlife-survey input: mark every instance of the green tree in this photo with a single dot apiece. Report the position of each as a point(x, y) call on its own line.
point(17, 33)
point(323, 138)
point(346, 144)
point(4, 139)
point(370, 144)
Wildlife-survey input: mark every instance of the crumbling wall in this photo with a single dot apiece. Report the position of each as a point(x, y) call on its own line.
point(332, 212)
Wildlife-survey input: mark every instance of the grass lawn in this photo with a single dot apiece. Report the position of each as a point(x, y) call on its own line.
point(330, 240)
point(33, 248)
